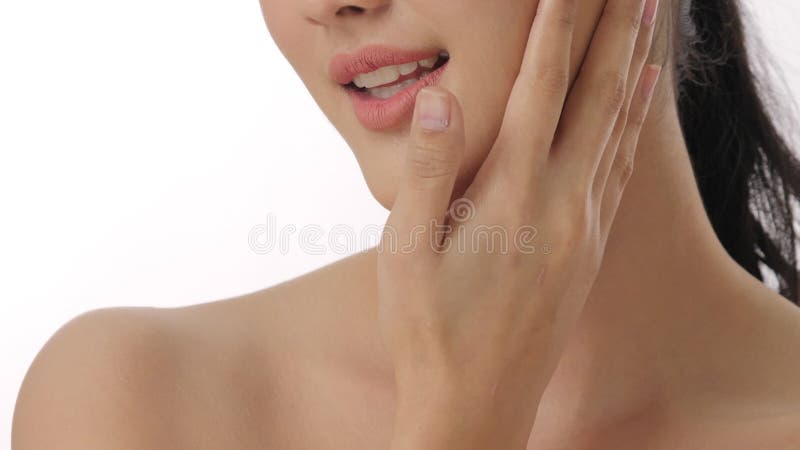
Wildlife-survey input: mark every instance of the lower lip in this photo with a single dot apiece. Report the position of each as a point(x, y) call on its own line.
point(379, 114)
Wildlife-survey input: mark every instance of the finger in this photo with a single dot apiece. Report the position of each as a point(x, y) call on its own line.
point(537, 97)
point(599, 92)
point(640, 55)
point(433, 158)
point(622, 168)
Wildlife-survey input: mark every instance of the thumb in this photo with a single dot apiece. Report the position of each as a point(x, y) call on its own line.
point(433, 158)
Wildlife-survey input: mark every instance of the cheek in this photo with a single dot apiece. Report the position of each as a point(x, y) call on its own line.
point(302, 45)
point(288, 29)
point(277, 19)
point(489, 57)
point(486, 43)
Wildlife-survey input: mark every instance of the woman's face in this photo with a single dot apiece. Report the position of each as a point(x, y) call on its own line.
point(485, 41)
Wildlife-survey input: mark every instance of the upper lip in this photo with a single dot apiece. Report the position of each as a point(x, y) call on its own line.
point(344, 67)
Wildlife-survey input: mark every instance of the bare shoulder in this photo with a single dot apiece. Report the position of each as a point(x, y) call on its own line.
point(787, 431)
point(773, 367)
point(779, 432)
point(90, 385)
point(766, 411)
point(174, 377)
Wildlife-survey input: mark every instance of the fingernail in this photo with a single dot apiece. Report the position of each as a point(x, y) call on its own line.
point(650, 80)
point(650, 9)
point(433, 110)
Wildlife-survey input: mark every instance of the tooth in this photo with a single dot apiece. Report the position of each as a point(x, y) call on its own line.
point(406, 69)
point(358, 81)
point(389, 74)
point(382, 76)
point(429, 63)
point(390, 91)
point(361, 80)
point(381, 93)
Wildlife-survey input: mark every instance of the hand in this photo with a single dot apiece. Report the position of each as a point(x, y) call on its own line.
point(491, 322)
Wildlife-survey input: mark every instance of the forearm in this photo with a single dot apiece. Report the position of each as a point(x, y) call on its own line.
point(449, 417)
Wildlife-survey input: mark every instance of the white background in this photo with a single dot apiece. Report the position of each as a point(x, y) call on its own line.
point(140, 142)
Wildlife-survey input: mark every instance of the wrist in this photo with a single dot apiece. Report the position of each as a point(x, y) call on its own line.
point(458, 413)
point(418, 386)
point(447, 423)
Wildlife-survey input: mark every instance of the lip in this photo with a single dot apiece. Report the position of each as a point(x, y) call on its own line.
point(382, 114)
point(345, 66)
point(379, 114)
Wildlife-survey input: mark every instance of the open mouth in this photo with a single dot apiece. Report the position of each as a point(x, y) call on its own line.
point(388, 81)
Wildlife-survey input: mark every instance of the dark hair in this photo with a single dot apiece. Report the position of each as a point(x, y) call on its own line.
point(746, 172)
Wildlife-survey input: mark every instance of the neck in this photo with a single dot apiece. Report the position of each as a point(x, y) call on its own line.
point(664, 284)
point(667, 314)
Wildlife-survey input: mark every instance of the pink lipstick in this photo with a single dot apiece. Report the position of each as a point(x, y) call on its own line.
point(383, 82)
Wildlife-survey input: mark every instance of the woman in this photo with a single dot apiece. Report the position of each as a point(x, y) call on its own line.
point(655, 333)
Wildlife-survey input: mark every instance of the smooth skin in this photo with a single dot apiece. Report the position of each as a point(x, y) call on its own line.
point(487, 345)
point(644, 334)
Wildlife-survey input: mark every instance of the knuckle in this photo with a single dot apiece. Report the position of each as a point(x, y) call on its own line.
point(636, 121)
point(551, 80)
point(622, 121)
point(575, 215)
point(625, 169)
point(563, 18)
point(642, 51)
point(638, 115)
point(635, 22)
point(625, 15)
point(427, 160)
point(612, 90)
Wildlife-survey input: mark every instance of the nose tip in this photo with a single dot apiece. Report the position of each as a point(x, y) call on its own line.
point(328, 12)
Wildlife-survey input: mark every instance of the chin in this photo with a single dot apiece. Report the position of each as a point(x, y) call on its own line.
point(382, 158)
point(381, 152)
point(385, 184)
point(383, 181)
